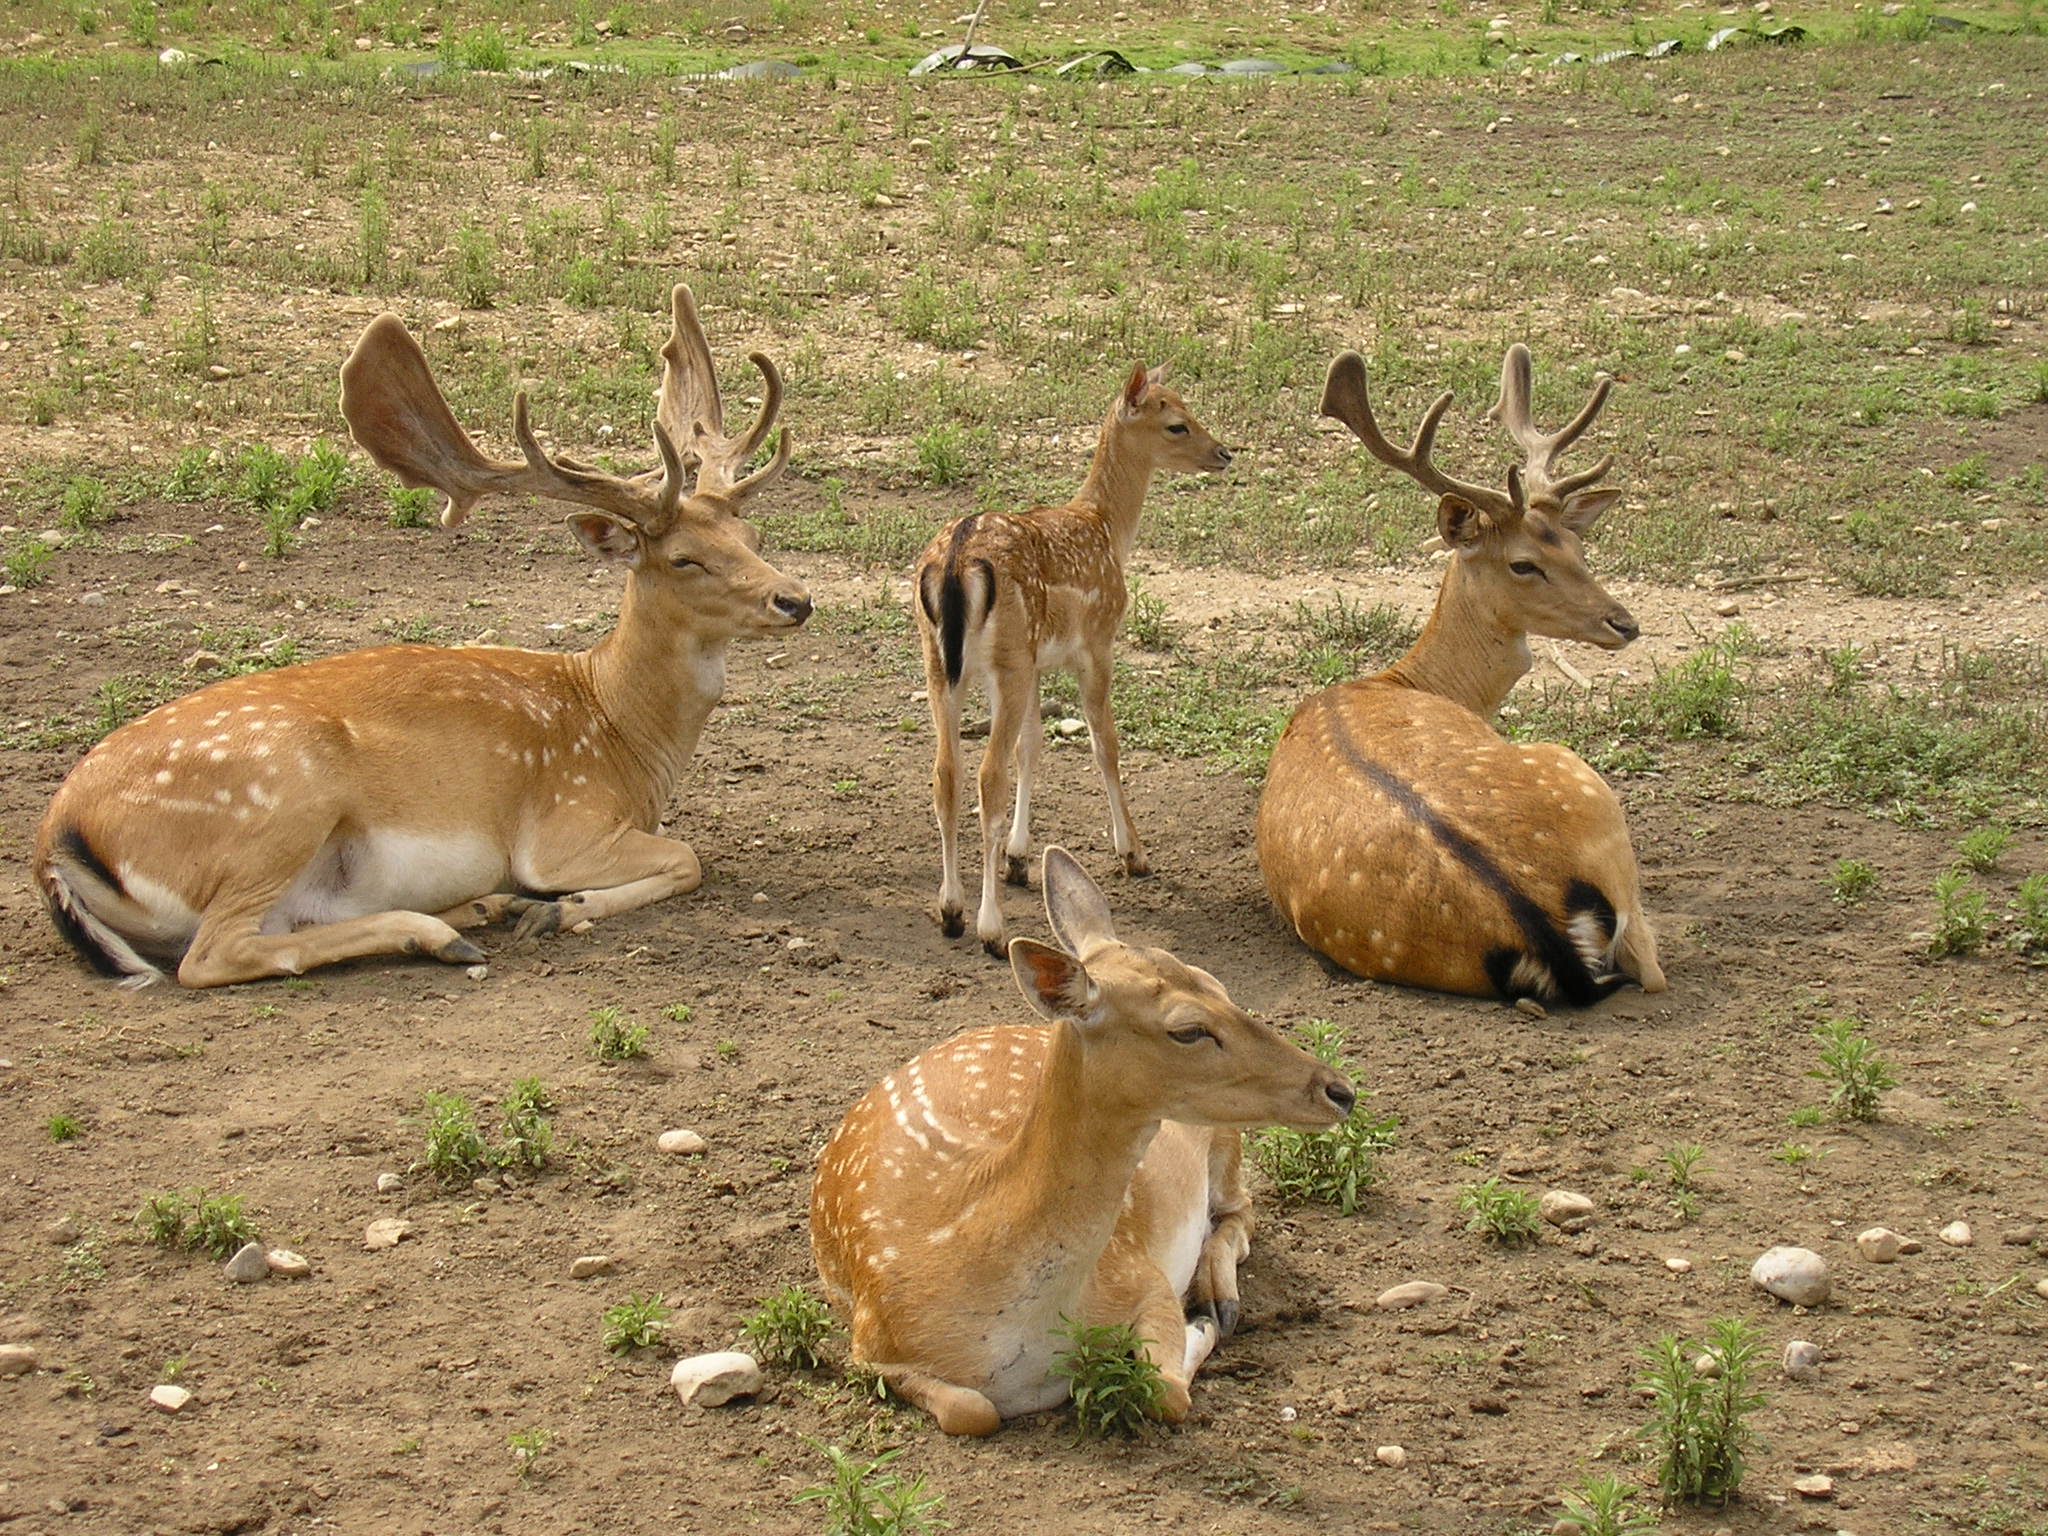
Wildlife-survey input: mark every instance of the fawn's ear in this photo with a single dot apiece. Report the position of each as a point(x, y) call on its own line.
point(1074, 904)
point(1134, 389)
point(1052, 981)
point(610, 539)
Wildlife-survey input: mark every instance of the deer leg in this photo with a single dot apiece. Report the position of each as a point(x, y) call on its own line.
point(1006, 693)
point(1635, 951)
point(1176, 1344)
point(959, 1410)
point(603, 875)
point(945, 705)
point(484, 911)
point(1030, 735)
point(1214, 1291)
point(1093, 675)
point(230, 946)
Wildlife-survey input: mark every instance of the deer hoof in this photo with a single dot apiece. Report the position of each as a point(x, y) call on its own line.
point(1226, 1317)
point(997, 946)
point(541, 917)
point(952, 922)
point(459, 952)
point(1137, 866)
point(1017, 870)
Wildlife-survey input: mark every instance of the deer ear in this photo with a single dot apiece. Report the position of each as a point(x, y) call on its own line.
point(1074, 904)
point(1134, 389)
point(1582, 509)
point(1052, 981)
point(1155, 377)
point(1460, 524)
point(610, 539)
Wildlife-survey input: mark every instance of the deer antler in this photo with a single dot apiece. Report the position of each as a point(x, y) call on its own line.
point(1539, 450)
point(694, 416)
point(1345, 400)
point(398, 414)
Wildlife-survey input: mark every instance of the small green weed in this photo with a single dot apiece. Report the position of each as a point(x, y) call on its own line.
point(864, 1500)
point(1981, 849)
point(1858, 1073)
point(1960, 926)
point(2030, 914)
point(1333, 1167)
point(455, 1150)
point(63, 1127)
point(1850, 881)
point(527, 1447)
point(1699, 1428)
point(1795, 1154)
point(411, 506)
point(1682, 1166)
point(196, 1221)
point(1971, 474)
point(1114, 1384)
point(789, 1327)
point(1146, 621)
point(1498, 1213)
point(476, 267)
point(942, 454)
point(27, 563)
point(635, 1323)
point(525, 1137)
point(1604, 1505)
point(1806, 1115)
point(678, 1013)
point(613, 1039)
point(85, 504)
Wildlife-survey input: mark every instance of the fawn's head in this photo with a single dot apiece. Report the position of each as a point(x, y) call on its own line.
point(1156, 420)
point(1161, 1037)
point(1521, 547)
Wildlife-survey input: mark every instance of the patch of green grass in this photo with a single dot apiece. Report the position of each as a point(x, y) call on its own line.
point(1852, 1065)
point(1699, 1430)
point(1980, 849)
point(942, 454)
point(864, 1499)
point(2030, 915)
point(85, 505)
point(1334, 1167)
point(410, 506)
point(1960, 921)
point(1114, 1384)
point(635, 1323)
point(789, 1328)
point(455, 1151)
point(946, 315)
point(1146, 620)
point(27, 563)
point(1498, 1212)
point(195, 1221)
point(1604, 1505)
point(1796, 1154)
point(612, 1038)
point(525, 1135)
point(1850, 881)
point(64, 1127)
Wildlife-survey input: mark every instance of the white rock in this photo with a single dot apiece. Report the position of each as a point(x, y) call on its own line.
point(390, 1183)
point(1069, 728)
point(1802, 1360)
point(1957, 1234)
point(292, 1266)
point(1880, 1245)
point(1564, 1207)
point(1797, 1275)
point(248, 1265)
point(1679, 1266)
point(16, 1360)
point(386, 1232)
point(1818, 1486)
point(1728, 608)
point(168, 1399)
point(1707, 1365)
point(708, 1380)
point(1390, 1456)
point(591, 1265)
point(1415, 1293)
point(680, 1143)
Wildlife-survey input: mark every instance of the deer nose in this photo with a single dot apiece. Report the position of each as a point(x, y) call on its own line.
point(793, 606)
point(1223, 457)
point(1624, 625)
point(1341, 1094)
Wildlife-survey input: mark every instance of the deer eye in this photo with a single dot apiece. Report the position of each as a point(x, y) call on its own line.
point(1526, 568)
point(685, 563)
point(1194, 1034)
point(1178, 429)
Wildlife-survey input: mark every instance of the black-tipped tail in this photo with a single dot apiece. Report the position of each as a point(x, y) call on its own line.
point(106, 951)
point(953, 605)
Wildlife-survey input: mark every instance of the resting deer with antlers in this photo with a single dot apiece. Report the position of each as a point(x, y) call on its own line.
point(1005, 597)
point(380, 801)
point(1398, 832)
point(1015, 1178)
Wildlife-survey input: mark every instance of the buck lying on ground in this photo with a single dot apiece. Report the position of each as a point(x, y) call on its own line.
point(1398, 832)
point(1014, 1178)
point(1003, 598)
point(376, 802)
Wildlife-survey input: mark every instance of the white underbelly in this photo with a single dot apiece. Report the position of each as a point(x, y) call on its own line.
point(388, 872)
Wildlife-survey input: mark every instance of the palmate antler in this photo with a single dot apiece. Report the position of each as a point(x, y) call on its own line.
point(399, 416)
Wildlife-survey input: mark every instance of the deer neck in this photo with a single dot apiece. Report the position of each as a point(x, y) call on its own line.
point(1118, 478)
point(654, 684)
point(1466, 652)
point(1064, 1174)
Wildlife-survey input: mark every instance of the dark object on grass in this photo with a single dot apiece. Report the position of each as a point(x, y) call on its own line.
point(956, 58)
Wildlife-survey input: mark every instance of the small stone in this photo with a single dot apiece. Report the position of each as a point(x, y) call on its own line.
point(1679, 1266)
point(287, 1265)
point(1817, 1486)
point(1707, 1365)
point(1880, 1245)
point(1802, 1360)
point(1415, 1293)
point(680, 1143)
point(64, 1231)
point(476, 972)
point(1957, 1234)
point(1727, 608)
point(16, 1360)
point(386, 1232)
point(1529, 1008)
point(591, 1265)
point(390, 1183)
point(1069, 728)
point(2041, 1288)
point(1797, 1275)
point(1564, 1207)
point(708, 1380)
point(168, 1399)
point(1390, 1456)
point(248, 1265)
point(1491, 1403)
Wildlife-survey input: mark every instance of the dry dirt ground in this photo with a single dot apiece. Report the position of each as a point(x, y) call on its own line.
point(378, 1395)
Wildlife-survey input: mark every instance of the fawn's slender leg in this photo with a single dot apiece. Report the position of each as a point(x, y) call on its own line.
point(1029, 737)
point(1093, 674)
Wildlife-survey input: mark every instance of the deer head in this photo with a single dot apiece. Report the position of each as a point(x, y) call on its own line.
point(1162, 1036)
point(1522, 545)
point(1150, 415)
point(685, 545)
